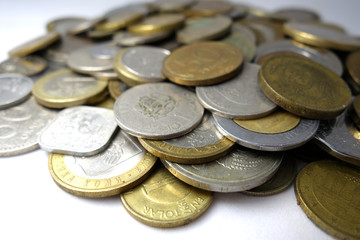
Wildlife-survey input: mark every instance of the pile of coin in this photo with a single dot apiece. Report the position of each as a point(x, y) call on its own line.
point(224, 95)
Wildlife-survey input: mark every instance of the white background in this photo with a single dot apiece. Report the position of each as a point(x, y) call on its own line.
point(32, 206)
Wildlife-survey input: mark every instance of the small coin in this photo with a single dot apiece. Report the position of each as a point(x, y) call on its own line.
point(14, 89)
point(215, 62)
point(121, 166)
point(304, 87)
point(208, 8)
point(352, 63)
point(326, 192)
point(116, 87)
point(298, 14)
point(164, 201)
point(158, 111)
point(72, 131)
point(242, 42)
point(129, 39)
point(20, 127)
point(28, 65)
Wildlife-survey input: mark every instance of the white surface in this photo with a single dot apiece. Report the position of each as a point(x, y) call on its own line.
point(32, 206)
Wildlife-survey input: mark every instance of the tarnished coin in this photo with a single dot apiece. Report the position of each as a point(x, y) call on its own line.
point(158, 111)
point(72, 131)
point(240, 170)
point(356, 109)
point(14, 88)
point(86, 25)
point(352, 66)
point(203, 144)
point(319, 36)
point(116, 87)
point(64, 24)
point(239, 97)
point(208, 28)
point(100, 34)
point(304, 87)
point(303, 132)
point(241, 28)
point(242, 42)
point(104, 75)
point(171, 6)
point(107, 103)
point(129, 39)
point(208, 8)
point(260, 13)
point(20, 127)
point(298, 14)
point(164, 201)
point(216, 62)
point(237, 11)
point(64, 88)
point(265, 31)
point(121, 166)
point(27, 65)
point(327, 193)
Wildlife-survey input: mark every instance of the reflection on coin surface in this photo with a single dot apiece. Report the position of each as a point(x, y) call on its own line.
point(164, 201)
point(121, 166)
point(158, 111)
point(27, 65)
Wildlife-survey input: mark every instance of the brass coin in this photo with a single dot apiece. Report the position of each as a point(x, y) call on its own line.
point(27, 65)
point(208, 8)
point(107, 103)
point(164, 201)
point(277, 122)
point(170, 5)
point(116, 87)
point(267, 56)
point(303, 87)
point(116, 22)
point(327, 191)
point(356, 111)
point(242, 42)
point(203, 63)
point(352, 65)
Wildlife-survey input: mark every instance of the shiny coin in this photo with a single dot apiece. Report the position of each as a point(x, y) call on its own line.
point(85, 25)
point(27, 65)
point(123, 165)
point(239, 97)
point(129, 39)
point(203, 144)
point(297, 14)
point(208, 28)
point(171, 6)
point(242, 42)
point(215, 62)
point(72, 131)
point(319, 36)
point(20, 127)
point(63, 88)
point(240, 170)
point(352, 63)
point(14, 88)
point(303, 87)
point(327, 193)
point(208, 8)
point(164, 201)
point(297, 136)
point(158, 111)
point(116, 88)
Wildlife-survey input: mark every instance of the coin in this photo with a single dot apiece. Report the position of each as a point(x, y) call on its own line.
point(14, 89)
point(257, 12)
point(27, 65)
point(238, 11)
point(158, 111)
point(208, 8)
point(242, 42)
point(203, 144)
point(104, 75)
point(303, 87)
point(86, 25)
point(164, 201)
point(64, 24)
point(116, 88)
point(356, 114)
point(240, 170)
point(297, 14)
point(215, 62)
point(63, 88)
point(239, 97)
point(129, 39)
point(107, 103)
point(241, 28)
point(171, 6)
point(72, 131)
point(325, 191)
point(20, 127)
point(352, 61)
point(121, 166)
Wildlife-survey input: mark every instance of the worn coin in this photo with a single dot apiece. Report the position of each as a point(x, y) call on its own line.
point(116, 87)
point(171, 6)
point(241, 28)
point(129, 39)
point(104, 75)
point(208, 8)
point(64, 24)
point(356, 109)
point(298, 14)
point(238, 11)
point(107, 103)
point(352, 63)
point(27, 65)
point(242, 42)
point(86, 25)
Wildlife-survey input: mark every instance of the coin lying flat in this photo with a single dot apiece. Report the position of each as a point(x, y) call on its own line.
point(326, 192)
point(72, 131)
point(352, 61)
point(85, 25)
point(121, 166)
point(303, 87)
point(242, 42)
point(298, 14)
point(158, 111)
point(129, 39)
point(27, 65)
point(241, 28)
point(171, 6)
point(208, 8)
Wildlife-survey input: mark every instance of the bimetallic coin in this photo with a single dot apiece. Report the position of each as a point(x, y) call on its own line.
point(298, 14)
point(14, 88)
point(20, 127)
point(123, 165)
point(352, 63)
point(240, 170)
point(164, 201)
point(297, 136)
point(239, 97)
point(72, 131)
point(27, 65)
point(158, 111)
point(327, 193)
point(208, 8)
point(242, 42)
point(116, 88)
point(203, 144)
point(129, 39)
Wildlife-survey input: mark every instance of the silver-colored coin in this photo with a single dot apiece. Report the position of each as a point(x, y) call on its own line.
point(14, 88)
point(237, 98)
point(79, 131)
point(293, 138)
point(130, 9)
point(28, 65)
point(129, 39)
point(94, 58)
point(267, 33)
point(63, 25)
point(158, 111)
point(145, 62)
point(297, 14)
point(323, 56)
point(238, 11)
point(20, 127)
point(340, 138)
point(237, 27)
point(171, 6)
point(240, 170)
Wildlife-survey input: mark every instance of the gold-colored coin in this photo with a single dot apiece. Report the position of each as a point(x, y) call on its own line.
point(356, 114)
point(327, 191)
point(35, 44)
point(352, 65)
point(118, 21)
point(208, 8)
point(158, 23)
point(203, 63)
point(242, 42)
point(27, 65)
point(64, 88)
point(260, 13)
point(116, 88)
point(303, 87)
point(268, 56)
point(164, 201)
point(107, 103)
point(277, 122)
